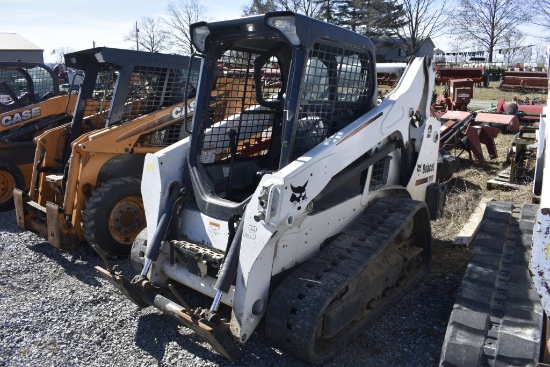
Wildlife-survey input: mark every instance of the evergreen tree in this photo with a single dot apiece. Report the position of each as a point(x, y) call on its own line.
point(372, 18)
point(384, 17)
point(326, 10)
point(260, 7)
point(350, 13)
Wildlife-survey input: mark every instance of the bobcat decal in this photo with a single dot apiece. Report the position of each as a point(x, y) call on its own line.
point(298, 193)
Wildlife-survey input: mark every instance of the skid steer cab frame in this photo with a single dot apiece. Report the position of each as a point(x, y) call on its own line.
point(25, 83)
point(86, 179)
point(305, 204)
point(30, 103)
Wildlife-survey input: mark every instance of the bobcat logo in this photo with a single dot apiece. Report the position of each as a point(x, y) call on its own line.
point(418, 168)
point(298, 193)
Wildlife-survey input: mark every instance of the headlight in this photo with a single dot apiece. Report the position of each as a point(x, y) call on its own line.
point(273, 203)
point(269, 201)
point(98, 57)
point(287, 25)
point(199, 37)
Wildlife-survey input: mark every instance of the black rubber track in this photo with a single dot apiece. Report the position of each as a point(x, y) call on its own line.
point(300, 305)
point(497, 317)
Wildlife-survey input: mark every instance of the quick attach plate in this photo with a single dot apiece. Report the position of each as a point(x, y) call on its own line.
point(209, 328)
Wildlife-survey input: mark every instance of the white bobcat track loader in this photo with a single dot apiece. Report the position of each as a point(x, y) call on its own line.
point(308, 206)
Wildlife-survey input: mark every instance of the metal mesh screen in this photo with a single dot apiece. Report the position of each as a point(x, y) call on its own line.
point(173, 91)
point(20, 87)
point(334, 91)
point(97, 107)
point(150, 89)
point(239, 120)
point(380, 170)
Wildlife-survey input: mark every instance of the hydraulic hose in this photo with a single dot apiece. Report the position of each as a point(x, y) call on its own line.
point(229, 268)
point(153, 248)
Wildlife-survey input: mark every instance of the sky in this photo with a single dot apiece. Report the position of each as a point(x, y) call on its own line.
point(77, 24)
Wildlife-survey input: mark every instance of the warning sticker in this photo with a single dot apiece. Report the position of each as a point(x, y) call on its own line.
point(250, 232)
point(208, 155)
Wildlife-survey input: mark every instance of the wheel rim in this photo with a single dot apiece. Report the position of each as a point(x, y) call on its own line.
point(127, 220)
point(7, 185)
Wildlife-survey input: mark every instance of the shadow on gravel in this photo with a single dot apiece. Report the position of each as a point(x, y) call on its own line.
point(155, 331)
point(79, 264)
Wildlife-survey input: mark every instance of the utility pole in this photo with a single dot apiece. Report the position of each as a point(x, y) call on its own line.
point(137, 37)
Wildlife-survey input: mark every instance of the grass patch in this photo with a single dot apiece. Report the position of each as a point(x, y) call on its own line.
point(464, 192)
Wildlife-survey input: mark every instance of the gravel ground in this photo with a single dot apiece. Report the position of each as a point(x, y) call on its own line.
point(55, 310)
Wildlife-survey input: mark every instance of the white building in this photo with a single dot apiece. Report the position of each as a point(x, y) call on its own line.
point(14, 47)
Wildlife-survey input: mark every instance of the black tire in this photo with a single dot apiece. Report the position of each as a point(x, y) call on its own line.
point(10, 178)
point(137, 254)
point(114, 216)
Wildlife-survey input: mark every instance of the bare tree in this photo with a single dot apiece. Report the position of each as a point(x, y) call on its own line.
point(148, 35)
point(423, 19)
point(513, 44)
point(525, 54)
point(60, 54)
point(181, 14)
point(540, 53)
point(542, 16)
point(489, 21)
